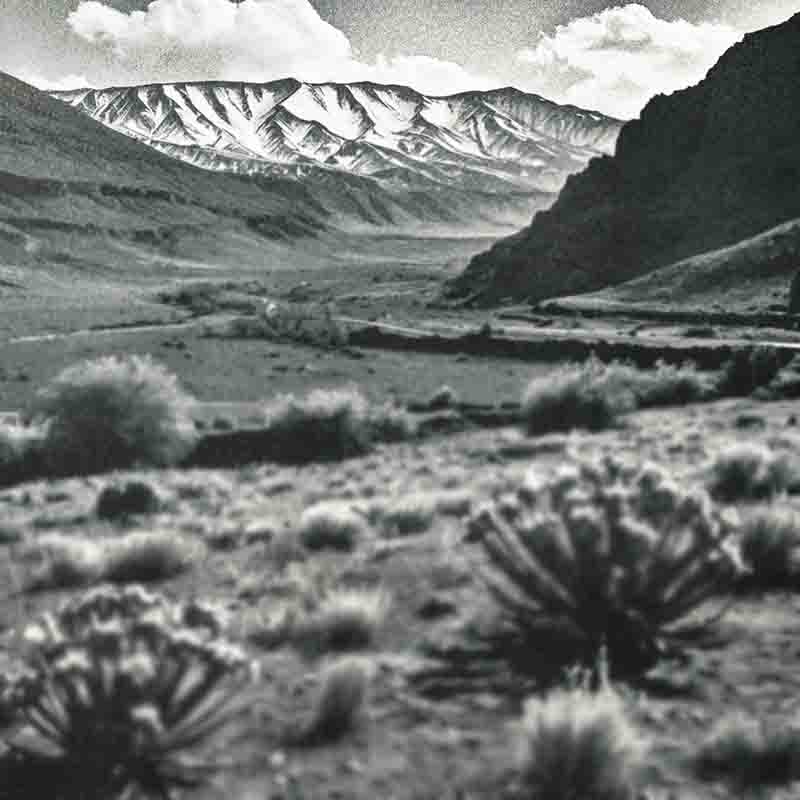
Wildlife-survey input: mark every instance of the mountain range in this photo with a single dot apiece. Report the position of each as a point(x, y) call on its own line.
point(700, 170)
point(503, 141)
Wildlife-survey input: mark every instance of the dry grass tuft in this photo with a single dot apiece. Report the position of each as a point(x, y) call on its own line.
point(341, 700)
point(331, 526)
point(748, 753)
point(138, 556)
point(750, 471)
point(576, 744)
point(114, 413)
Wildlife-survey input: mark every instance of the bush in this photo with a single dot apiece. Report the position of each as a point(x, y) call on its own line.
point(577, 744)
point(592, 395)
point(20, 452)
point(331, 425)
point(751, 471)
point(608, 556)
point(108, 695)
point(748, 753)
point(114, 413)
point(331, 525)
point(770, 545)
point(574, 396)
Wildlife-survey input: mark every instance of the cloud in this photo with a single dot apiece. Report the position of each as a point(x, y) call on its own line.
point(260, 40)
point(55, 84)
point(616, 60)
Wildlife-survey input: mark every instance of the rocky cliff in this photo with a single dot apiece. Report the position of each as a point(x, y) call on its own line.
point(700, 169)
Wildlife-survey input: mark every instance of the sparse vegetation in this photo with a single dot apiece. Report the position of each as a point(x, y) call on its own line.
point(750, 471)
point(106, 696)
point(575, 743)
point(611, 555)
point(20, 452)
point(749, 369)
point(749, 754)
point(114, 413)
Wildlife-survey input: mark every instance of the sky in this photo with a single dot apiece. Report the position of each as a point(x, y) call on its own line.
point(597, 55)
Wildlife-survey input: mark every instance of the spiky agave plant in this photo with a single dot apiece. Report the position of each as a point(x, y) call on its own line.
point(124, 684)
point(608, 554)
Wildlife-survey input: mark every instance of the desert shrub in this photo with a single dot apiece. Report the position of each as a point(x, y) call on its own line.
point(748, 369)
point(122, 687)
point(574, 396)
point(138, 556)
point(342, 698)
point(443, 397)
point(663, 385)
point(749, 753)
point(606, 555)
point(573, 743)
point(114, 413)
point(770, 546)
point(20, 452)
point(332, 526)
point(331, 425)
point(135, 497)
point(751, 471)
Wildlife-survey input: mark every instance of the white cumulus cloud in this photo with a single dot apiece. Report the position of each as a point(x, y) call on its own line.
point(616, 60)
point(259, 40)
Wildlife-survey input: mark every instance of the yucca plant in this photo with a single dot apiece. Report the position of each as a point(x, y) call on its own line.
point(605, 555)
point(124, 685)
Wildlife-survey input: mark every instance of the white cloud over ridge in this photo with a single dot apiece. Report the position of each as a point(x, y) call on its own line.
point(260, 40)
point(616, 60)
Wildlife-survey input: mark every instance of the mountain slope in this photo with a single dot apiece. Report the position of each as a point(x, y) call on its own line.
point(498, 141)
point(701, 169)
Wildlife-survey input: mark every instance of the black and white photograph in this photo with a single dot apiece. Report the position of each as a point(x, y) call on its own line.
point(399, 400)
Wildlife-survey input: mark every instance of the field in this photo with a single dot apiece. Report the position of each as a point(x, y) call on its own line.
point(446, 685)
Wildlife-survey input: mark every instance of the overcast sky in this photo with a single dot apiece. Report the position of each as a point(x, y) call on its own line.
point(594, 54)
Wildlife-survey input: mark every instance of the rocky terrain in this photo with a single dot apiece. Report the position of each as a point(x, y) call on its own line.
point(701, 169)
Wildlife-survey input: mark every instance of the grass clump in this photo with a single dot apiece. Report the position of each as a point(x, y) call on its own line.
point(331, 425)
point(576, 744)
point(341, 700)
point(605, 557)
point(114, 413)
point(770, 546)
point(122, 686)
point(748, 754)
point(138, 556)
point(331, 526)
point(751, 471)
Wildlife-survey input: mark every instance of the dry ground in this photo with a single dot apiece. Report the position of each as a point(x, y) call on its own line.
point(427, 732)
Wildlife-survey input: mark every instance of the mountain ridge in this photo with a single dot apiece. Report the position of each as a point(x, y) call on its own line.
point(499, 140)
point(699, 170)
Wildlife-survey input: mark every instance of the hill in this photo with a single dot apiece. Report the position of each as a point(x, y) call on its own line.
point(497, 141)
point(701, 169)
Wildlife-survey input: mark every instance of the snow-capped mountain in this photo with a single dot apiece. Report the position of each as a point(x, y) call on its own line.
point(497, 141)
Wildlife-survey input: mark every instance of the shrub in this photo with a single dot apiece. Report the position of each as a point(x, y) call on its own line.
point(606, 555)
point(331, 525)
point(748, 753)
point(770, 545)
point(750, 471)
point(122, 686)
point(664, 385)
point(114, 413)
point(330, 425)
point(577, 744)
point(574, 396)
